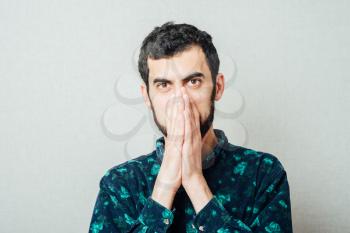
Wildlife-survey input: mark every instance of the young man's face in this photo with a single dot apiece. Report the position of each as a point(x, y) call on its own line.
point(167, 75)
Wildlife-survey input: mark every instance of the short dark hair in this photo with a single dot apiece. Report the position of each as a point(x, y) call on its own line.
point(169, 39)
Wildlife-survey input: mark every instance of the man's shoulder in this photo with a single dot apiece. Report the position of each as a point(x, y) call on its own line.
point(261, 160)
point(126, 179)
point(132, 166)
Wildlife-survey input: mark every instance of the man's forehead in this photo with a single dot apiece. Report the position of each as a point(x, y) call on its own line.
point(179, 65)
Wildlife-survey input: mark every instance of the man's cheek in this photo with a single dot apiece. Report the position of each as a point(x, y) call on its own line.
point(163, 118)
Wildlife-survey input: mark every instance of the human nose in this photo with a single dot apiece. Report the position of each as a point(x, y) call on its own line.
point(176, 91)
point(176, 99)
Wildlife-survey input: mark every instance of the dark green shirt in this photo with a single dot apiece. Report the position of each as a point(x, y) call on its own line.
point(250, 188)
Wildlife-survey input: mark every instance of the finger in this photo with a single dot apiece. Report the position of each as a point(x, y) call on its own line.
point(168, 115)
point(196, 114)
point(180, 100)
point(179, 118)
point(173, 134)
point(190, 113)
point(196, 123)
point(173, 117)
point(188, 131)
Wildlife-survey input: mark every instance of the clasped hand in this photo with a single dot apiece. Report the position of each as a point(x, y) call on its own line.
point(183, 142)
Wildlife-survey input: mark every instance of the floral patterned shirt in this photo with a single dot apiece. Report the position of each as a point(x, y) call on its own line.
point(250, 194)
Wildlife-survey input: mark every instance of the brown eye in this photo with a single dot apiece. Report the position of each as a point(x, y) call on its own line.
point(195, 82)
point(162, 85)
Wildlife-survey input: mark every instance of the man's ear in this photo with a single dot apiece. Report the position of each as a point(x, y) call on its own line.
point(220, 86)
point(145, 95)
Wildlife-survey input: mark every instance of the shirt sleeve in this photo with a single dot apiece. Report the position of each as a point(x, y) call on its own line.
point(115, 211)
point(271, 211)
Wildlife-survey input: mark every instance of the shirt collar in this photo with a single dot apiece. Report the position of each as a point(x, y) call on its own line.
point(211, 157)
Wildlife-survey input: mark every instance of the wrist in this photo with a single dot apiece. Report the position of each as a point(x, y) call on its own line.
point(163, 194)
point(199, 192)
point(194, 180)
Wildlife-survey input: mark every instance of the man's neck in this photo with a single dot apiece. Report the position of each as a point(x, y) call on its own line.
point(209, 141)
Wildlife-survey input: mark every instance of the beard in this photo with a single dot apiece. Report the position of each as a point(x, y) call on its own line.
point(204, 125)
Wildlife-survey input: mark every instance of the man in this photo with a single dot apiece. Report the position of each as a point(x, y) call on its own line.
point(194, 180)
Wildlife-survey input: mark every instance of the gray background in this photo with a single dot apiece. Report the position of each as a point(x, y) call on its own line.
point(60, 111)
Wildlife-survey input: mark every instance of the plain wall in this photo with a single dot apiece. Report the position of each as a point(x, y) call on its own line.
point(69, 91)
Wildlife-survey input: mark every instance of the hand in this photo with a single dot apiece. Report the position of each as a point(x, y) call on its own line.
point(192, 146)
point(169, 176)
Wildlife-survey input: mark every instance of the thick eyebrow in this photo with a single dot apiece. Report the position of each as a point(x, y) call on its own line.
point(187, 78)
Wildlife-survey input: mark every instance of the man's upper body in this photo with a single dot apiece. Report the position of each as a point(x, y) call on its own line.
point(250, 194)
point(194, 180)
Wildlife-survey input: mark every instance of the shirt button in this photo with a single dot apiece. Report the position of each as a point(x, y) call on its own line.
point(201, 228)
point(166, 221)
